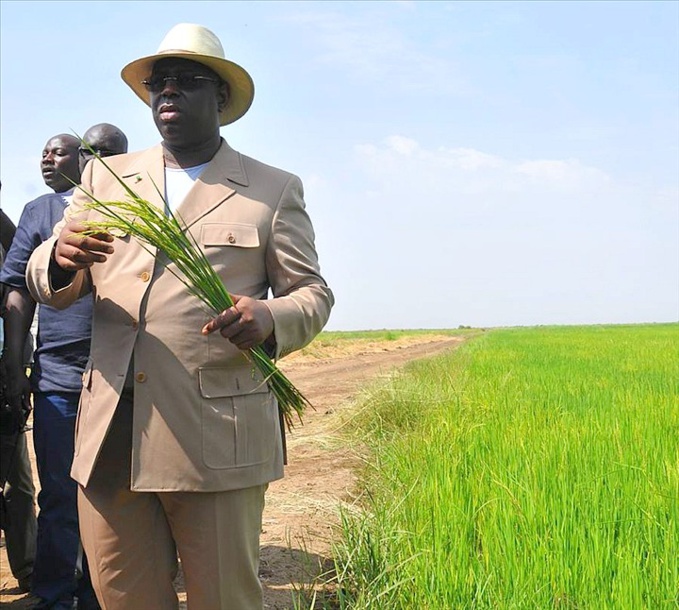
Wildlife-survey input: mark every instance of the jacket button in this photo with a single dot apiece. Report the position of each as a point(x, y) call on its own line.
point(231, 238)
point(135, 324)
point(145, 276)
point(140, 377)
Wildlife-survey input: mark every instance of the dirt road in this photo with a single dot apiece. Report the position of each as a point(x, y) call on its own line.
point(302, 508)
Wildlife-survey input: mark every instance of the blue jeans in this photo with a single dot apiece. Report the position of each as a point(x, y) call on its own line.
point(58, 573)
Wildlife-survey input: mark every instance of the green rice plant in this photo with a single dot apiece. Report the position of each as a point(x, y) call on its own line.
point(532, 468)
point(163, 230)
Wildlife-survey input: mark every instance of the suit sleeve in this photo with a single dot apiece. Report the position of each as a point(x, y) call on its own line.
point(302, 299)
point(37, 270)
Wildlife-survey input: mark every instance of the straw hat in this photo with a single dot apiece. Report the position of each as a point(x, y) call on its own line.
point(197, 43)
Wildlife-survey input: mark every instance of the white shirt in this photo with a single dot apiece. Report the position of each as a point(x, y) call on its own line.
point(178, 182)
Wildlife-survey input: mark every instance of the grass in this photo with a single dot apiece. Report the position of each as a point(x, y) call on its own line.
point(532, 468)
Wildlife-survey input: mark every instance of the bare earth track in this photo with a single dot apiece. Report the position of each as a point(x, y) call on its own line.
point(302, 508)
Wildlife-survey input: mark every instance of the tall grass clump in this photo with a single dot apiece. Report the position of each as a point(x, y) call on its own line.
point(532, 468)
point(160, 229)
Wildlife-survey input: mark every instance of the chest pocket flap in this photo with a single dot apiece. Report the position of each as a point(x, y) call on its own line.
point(229, 234)
point(230, 381)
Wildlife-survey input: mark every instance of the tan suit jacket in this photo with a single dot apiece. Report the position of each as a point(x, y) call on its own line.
point(203, 419)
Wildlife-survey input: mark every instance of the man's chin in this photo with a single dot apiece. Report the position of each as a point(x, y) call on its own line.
point(170, 130)
point(57, 186)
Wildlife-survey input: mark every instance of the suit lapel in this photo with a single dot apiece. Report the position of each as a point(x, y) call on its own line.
point(146, 176)
point(142, 177)
point(211, 189)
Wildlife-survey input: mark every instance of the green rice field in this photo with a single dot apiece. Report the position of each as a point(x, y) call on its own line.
point(531, 468)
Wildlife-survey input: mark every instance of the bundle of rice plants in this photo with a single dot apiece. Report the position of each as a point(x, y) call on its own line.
point(163, 230)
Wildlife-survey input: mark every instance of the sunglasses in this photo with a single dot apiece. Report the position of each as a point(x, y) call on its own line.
point(102, 152)
point(185, 82)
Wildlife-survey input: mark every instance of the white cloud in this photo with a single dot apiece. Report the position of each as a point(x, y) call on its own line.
point(468, 159)
point(452, 171)
point(402, 145)
point(365, 46)
point(667, 198)
point(561, 173)
point(314, 182)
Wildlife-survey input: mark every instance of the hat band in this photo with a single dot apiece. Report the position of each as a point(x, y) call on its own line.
point(182, 51)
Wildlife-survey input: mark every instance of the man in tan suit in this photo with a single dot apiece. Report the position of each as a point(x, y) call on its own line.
point(177, 437)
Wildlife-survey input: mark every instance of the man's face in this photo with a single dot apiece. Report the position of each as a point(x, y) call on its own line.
point(104, 141)
point(59, 163)
point(185, 106)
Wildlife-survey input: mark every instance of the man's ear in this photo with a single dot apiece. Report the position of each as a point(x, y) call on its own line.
point(222, 96)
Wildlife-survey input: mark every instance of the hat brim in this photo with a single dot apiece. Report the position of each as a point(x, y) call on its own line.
point(241, 86)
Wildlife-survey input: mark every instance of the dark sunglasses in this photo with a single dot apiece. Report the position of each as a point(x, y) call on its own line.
point(102, 152)
point(185, 82)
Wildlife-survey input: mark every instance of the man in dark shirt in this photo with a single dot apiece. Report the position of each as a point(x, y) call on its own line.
point(63, 345)
point(105, 140)
point(17, 492)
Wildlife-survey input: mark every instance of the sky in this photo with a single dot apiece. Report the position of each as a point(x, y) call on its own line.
point(465, 163)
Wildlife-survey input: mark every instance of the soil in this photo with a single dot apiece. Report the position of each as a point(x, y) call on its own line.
point(302, 509)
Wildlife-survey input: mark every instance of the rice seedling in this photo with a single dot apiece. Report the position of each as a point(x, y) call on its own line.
point(533, 468)
point(163, 230)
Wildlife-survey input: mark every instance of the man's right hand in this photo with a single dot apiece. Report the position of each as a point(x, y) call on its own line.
point(74, 250)
point(17, 394)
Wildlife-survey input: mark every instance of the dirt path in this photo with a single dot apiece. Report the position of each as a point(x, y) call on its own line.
point(302, 508)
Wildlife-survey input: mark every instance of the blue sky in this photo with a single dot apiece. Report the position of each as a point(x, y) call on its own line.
point(465, 163)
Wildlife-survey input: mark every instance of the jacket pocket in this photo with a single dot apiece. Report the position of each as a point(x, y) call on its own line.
point(238, 417)
point(229, 234)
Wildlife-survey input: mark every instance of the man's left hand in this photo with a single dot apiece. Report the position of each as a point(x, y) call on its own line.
point(247, 324)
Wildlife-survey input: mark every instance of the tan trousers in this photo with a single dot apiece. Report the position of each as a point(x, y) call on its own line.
point(132, 538)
